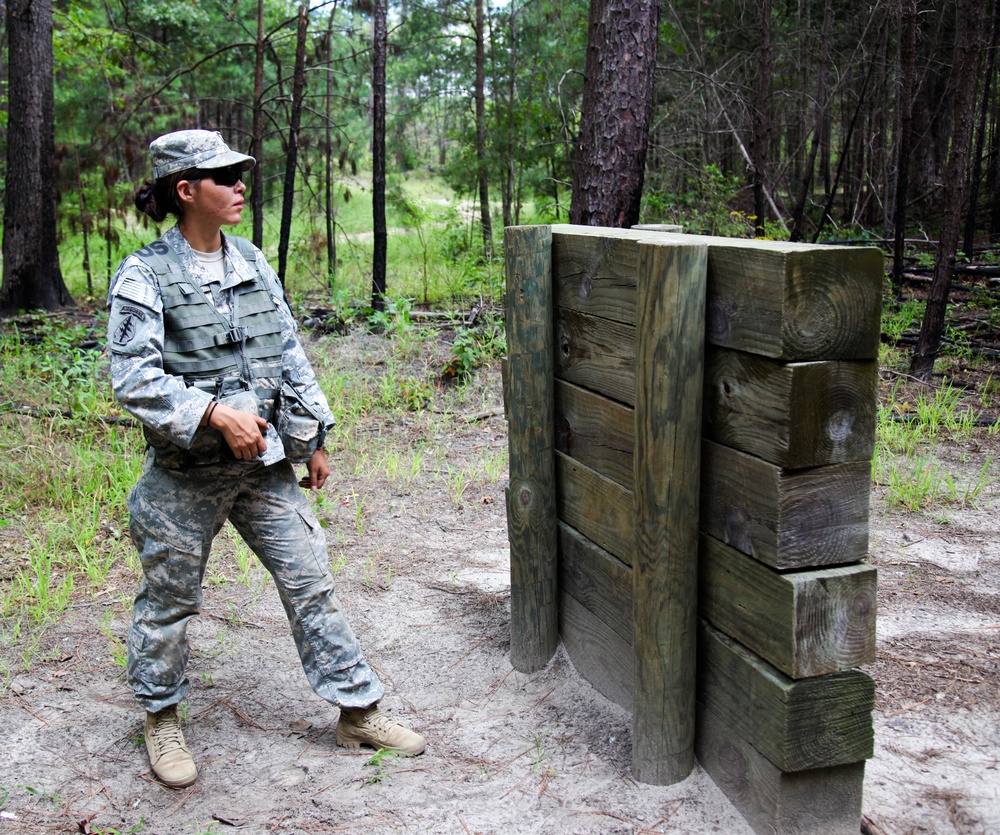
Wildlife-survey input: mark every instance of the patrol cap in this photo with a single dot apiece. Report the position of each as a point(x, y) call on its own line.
point(185, 149)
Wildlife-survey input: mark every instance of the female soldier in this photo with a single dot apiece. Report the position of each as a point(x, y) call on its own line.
point(204, 354)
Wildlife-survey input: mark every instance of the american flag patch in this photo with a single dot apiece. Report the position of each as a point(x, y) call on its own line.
point(138, 292)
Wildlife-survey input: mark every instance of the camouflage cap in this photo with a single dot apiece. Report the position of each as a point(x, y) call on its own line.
point(185, 149)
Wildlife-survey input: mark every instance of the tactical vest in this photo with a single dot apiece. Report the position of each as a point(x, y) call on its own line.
point(199, 343)
point(228, 358)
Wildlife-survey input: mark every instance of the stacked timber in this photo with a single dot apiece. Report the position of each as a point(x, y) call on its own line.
point(711, 410)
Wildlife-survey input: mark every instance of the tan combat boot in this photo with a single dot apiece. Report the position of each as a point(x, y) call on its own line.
point(168, 755)
point(370, 726)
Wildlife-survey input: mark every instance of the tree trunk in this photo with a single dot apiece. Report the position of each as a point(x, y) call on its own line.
point(257, 144)
point(31, 274)
point(907, 71)
point(331, 205)
point(977, 158)
point(480, 97)
point(822, 105)
point(379, 44)
point(610, 158)
point(762, 118)
point(972, 18)
point(292, 156)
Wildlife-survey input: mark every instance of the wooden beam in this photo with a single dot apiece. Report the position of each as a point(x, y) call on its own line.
point(794, 415)
point(596, 506)
point(596, 353)
point(595, 431)
point(796, 724)
point(821, 801)
point(670, 348)
point(599, 581)
point(785, 518)
point(595, 275)
point(531, 506)
point(598, 653)
point(790, 301)
point(805, 623)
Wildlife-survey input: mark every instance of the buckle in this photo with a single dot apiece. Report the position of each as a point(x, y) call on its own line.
point(236, 335)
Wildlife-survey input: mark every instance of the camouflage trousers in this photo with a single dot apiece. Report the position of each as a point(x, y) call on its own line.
point(175, 515)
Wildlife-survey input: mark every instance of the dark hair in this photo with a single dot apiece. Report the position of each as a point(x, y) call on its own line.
point(158, 198)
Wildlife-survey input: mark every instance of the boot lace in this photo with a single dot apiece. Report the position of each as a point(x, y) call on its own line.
point(166, 733)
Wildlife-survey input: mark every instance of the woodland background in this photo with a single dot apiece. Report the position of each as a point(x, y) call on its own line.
point(819, 120)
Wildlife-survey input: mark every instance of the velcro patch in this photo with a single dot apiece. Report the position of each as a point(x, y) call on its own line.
point(137, 291)
point(129, 328)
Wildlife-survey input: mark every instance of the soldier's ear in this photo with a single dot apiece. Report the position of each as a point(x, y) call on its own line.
point(186, 190)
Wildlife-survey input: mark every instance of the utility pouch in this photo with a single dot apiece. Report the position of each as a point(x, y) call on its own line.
point(301, 429)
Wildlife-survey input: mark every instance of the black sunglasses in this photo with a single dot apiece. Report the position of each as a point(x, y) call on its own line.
point(222, 176)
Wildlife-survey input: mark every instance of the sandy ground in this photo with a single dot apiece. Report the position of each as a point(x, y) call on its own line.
point(426, 583)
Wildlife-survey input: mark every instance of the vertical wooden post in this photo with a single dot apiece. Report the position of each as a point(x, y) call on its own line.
point(670, 340)
point(531, 502)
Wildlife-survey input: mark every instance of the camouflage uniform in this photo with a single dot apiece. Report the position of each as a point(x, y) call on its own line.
point(180, 504)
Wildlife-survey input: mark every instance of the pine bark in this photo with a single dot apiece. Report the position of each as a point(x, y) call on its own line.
point(381, 234)
point(972, 19)
point(292, 156)
point(610, 158)
point(32, 277)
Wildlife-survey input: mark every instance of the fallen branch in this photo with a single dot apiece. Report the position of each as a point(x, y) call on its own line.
point(37, 412)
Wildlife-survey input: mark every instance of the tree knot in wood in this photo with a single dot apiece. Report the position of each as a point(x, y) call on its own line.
point(719, 315)
point(564, 435)
point(861, 606)
point(564, 345)
point(733, 763)
point(839, 427)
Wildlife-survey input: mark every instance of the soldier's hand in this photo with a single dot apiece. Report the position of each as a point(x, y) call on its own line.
point(319, 471)
point(242, 431)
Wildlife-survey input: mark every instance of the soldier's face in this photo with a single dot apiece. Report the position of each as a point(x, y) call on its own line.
point(208, 201)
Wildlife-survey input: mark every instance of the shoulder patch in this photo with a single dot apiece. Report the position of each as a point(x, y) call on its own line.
point(137, 291)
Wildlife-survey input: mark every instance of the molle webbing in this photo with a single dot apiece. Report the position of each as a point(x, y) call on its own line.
point(199, 342)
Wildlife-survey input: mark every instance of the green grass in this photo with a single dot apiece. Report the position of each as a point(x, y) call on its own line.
point(433, 249)
point(906, 464)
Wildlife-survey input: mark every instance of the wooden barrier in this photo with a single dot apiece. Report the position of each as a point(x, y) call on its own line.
point(688, 505)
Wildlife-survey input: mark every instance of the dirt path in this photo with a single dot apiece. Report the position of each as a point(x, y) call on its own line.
point(425, 579)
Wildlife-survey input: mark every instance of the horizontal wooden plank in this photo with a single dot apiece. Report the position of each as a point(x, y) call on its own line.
point(805, 623)
point(595, 353)
point(595, 430)
point(599, 581)
point(595, 275)
point(796, 724)
point(601, 509)
point(784, 300)
point(598, 653)
point(821, 801)
point(794, 415)
point(785, 518)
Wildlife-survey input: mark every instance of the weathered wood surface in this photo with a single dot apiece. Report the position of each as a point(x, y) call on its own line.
point(595, 431)
point(599, 581)
point(658, 227)
point(823, 801)
point(598, 507)
point(596, 353)
point(796, 724)
point(784, 300)
point(670, 353)
point(785, 518)
point(531, 505)
point(805, 623)
point(595, 275)
point(599, 654)
point(791, 414)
